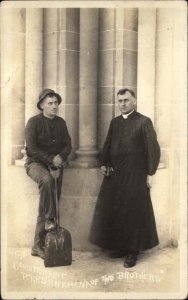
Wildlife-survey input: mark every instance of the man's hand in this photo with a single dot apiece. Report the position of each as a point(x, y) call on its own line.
point(149, 181)
point(57, 161)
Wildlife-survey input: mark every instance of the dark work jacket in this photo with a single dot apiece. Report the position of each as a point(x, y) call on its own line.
point(132, 138)
point(46, 138)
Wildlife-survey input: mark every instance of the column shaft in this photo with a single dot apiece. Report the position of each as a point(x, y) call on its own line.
point(163, 98)
point(178, 153)
point(146, 61)
point(126, 50)
point(68, 70)
point(34, 59)
point(12, 73)
point(170, 113)
point(51, 38)
point(88, 89)
point(119, 55)
point(106, 73)
point(130, 47)
point(164, 83)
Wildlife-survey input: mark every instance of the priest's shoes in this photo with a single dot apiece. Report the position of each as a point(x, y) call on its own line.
point(130, 260)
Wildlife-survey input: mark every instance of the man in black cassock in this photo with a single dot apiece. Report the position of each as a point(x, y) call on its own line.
point(124, 221)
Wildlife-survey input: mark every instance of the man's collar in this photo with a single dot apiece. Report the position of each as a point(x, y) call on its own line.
point(125, 116)
point(46, 117)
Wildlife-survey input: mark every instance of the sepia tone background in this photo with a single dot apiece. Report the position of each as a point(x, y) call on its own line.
point(86, 55)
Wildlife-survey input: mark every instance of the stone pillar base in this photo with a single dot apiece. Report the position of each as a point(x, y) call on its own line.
point(85, 159)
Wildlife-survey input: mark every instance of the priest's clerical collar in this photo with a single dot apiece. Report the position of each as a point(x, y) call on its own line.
point(125, 116)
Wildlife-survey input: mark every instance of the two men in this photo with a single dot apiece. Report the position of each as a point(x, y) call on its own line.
point(123, 221)
point(48, 145)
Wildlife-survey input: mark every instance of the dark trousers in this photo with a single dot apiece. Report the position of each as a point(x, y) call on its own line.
point(47, 204)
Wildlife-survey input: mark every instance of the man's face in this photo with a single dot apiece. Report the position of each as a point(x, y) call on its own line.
point(50, 106)
point(126, 103)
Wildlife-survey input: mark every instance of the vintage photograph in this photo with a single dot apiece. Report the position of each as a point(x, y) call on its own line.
point(93, 149)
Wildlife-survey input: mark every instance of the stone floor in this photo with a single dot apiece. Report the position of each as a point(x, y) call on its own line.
point(94, 275)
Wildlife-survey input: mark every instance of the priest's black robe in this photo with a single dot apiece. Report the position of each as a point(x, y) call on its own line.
point(124, 219)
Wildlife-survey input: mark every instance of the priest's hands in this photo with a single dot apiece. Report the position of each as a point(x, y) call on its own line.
point(103, 170)
point(106, 171)
point(149, 181)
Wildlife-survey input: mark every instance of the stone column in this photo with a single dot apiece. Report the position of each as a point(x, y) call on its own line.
point(106, 72)
point(50, 52)
point(12, 80)
point(170, 108)
point(178, 143)
point(164, 80)
point(33, 60)
point(126, 50)
point(68, 70)
point(146, 61)
point(87, 152)
point(163, 101)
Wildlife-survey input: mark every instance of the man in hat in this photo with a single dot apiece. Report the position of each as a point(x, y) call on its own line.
point(124, 221)
point(48, 145)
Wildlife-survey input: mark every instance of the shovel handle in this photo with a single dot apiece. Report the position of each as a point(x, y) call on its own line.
point(56, 202)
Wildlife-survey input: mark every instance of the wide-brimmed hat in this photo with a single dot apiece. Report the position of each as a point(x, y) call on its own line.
point(45, 93)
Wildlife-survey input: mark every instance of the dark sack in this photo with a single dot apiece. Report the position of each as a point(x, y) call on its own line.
point(58, 248)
